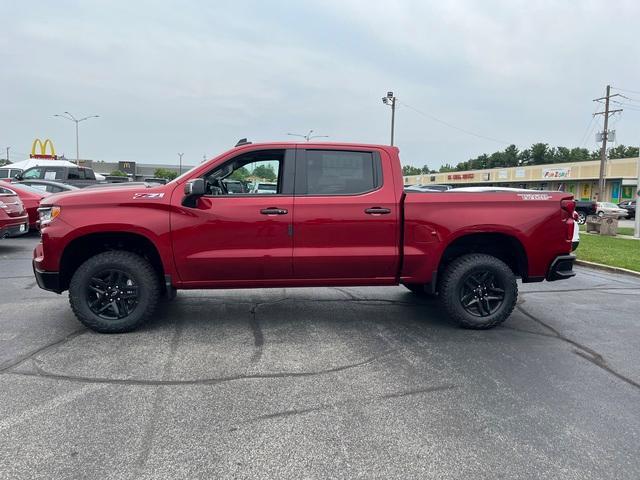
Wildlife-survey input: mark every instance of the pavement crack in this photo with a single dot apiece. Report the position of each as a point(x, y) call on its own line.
point(41, 373)
point(580, 349)
point(344, 403)
point(606, 290)
point(23, 358)
point(150, 429)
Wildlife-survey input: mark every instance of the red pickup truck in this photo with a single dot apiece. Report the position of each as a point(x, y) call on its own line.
point(338, 216)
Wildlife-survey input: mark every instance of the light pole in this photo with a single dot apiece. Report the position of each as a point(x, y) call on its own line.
point(390, 100)
point(180, 155)
point(308, 136)
point(8, 148)
point(68, 116)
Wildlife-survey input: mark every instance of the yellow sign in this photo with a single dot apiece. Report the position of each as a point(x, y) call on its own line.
point(43, 149)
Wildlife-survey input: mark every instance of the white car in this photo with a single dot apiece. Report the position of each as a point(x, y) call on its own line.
point(611, 210)
point(262, 187)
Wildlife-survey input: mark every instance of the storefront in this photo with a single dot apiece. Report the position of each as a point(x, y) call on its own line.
point(580, 178)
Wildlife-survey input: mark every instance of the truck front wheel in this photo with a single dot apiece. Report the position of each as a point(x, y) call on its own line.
point(114, 292)
point(479, 291)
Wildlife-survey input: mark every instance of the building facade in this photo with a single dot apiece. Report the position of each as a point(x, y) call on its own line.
point(579, 178)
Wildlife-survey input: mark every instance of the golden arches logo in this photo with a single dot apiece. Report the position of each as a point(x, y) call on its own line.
point(43, 149)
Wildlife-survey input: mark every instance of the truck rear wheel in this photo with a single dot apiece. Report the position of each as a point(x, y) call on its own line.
point(479, 291)
point(114, 292)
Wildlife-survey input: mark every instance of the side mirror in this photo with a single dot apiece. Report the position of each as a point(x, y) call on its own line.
point(192, 190)
point(18, 176)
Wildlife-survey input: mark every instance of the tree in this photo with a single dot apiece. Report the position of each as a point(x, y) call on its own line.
point(165, 173)
point(118, 173)
point(240, 174)
point(265, 171)
point(426, 170)
point(511, 156)
point(411, 170)
point(623, 152)
point(446, 168)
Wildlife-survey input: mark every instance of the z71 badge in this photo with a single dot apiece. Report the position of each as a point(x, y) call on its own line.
point(148, 195)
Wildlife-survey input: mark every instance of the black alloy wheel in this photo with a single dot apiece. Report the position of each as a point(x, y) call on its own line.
point(481, 293)
point(112, 294)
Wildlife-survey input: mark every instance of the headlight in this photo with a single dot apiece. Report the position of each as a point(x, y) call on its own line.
point(47, 214)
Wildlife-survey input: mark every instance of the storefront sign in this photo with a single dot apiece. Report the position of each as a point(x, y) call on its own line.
point(43, 149)
point(458, 176)
point(556, 173)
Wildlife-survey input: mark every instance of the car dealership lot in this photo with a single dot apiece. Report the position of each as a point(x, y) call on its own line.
point(327, 382)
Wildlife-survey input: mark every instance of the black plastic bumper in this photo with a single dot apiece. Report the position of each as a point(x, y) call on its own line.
point(561, 268)
point(47, 280)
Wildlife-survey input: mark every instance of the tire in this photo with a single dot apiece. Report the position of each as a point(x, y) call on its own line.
point(582, 218)
point(418, 289)
point(460, 284)
point(121, 284)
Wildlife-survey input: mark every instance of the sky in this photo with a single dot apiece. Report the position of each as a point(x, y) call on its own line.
point(196, 76)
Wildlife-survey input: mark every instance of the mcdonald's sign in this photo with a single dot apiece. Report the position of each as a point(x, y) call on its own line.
point(37, 143)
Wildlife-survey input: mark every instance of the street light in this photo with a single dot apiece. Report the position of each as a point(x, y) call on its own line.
point(71, 118)
point(391, 101)
point(308, 136)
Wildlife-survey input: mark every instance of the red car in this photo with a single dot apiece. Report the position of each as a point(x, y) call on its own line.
point(338, 215)
point(13, 217)
point(30, 198)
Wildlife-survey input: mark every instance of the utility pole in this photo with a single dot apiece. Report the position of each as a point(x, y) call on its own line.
point(8, 154)
point(605, 138)
point(390, 100)
point(180, 155)
point(68, 116)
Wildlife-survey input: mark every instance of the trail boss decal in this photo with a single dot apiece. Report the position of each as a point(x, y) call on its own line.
point(148, 195)
point(534, 196)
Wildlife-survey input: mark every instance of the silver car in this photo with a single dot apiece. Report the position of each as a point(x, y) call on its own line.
point(610, 210)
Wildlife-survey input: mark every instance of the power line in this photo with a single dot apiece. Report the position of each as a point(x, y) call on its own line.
point(468, 132)
point(626, 90)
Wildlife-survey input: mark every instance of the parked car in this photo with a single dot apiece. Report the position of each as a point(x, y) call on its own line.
point(630, 207)
point(14, 220)
point(611, 210)
point(352, 225)
point(30, 198)
point(46, 185)
point(76, 176)
point(585, 208)
point(235, 186)
point(119, 185)
point(7, 173)
point(264, 187)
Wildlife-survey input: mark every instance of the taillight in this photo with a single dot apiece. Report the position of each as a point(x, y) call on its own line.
point(569, 206)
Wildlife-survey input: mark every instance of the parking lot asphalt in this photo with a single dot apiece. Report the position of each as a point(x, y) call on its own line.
point(321, 383)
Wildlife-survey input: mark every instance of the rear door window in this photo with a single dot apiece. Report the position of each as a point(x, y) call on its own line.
point(337, 172)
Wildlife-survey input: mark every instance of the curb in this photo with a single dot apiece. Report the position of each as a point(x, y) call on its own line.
point(607, 268)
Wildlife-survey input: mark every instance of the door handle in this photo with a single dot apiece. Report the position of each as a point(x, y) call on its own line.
point(377, 211)
point(274, 211)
